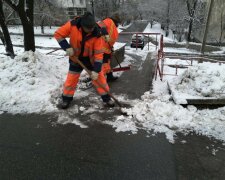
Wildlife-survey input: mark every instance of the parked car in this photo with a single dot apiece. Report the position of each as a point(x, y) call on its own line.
point(137, 40)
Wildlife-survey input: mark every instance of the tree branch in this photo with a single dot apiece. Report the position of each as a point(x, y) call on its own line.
point(12, 5)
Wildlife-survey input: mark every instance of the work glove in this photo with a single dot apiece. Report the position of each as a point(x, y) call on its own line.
point(107, 38)
point(69, 52)
point(94, 75)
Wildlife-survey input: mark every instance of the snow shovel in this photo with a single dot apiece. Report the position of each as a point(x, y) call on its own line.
point(125, 68)
point(89, 73)
point(117, 60)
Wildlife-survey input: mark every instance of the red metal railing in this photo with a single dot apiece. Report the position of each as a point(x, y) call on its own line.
point(159, 68)
point(160, 59)
point(160, 52)
point(182, 58)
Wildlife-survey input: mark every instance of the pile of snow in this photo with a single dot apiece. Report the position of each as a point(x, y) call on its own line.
point(29, 82)
point(156, 112)
point(161, 115)
point(204, 80)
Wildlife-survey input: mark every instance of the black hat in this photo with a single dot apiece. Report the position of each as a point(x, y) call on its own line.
point(88, 20)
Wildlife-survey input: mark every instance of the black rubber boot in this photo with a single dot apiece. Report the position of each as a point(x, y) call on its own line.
point(64, 104)
point(110, 103)
point(107, 101)
point(110, 77)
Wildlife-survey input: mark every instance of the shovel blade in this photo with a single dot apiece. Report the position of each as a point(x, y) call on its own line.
point(125, 68)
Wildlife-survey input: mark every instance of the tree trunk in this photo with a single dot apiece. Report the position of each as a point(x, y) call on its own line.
point(29, 43)
point(151, 22)
point(189, 30)
point(42, 25)
point(221, 28)
point(168, 18)
point(140, 14)
point(191, 6)
point(206, 27)
point(25, 12)
point(6, 38)
point(28, 28)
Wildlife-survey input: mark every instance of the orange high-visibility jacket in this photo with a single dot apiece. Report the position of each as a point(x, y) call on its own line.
point(93, 47)
point(112, 32)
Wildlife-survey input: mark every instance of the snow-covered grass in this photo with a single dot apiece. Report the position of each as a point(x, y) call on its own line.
point(37, 29)
point(49, 30)
point(156, 28)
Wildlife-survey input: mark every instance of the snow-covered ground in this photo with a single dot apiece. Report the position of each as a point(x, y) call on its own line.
point(48, 30)
point(156, 28)
point(37, 30)
point(31, 83)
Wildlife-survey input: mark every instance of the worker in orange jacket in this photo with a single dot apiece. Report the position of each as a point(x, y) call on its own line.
point(85, 44)
point(110, 36)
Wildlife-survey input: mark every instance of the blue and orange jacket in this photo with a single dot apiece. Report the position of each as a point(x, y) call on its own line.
point(92, 48)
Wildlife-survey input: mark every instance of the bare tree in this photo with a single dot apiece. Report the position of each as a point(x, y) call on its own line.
point(104, 8)
point(6, 37)
point(154, 10)
point(10, 15)
point(25, 11)
point(43, 14)
point(196, 11)
point(167, 24)
point(191, 7)
point(222, 23)
point(40, 13)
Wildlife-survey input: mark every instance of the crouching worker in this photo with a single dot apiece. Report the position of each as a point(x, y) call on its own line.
point(110, 36)
point(86, 45)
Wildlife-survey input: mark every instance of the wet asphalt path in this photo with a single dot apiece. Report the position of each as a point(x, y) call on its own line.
point(138, 26)
point(30, 148)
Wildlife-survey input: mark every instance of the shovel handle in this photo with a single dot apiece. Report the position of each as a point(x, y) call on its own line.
point(53, 51)
point(100, 84)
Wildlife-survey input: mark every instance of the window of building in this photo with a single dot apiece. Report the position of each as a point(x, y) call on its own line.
point(79, 11)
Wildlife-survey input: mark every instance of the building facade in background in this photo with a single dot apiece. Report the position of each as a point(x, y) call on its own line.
point(73, 7)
